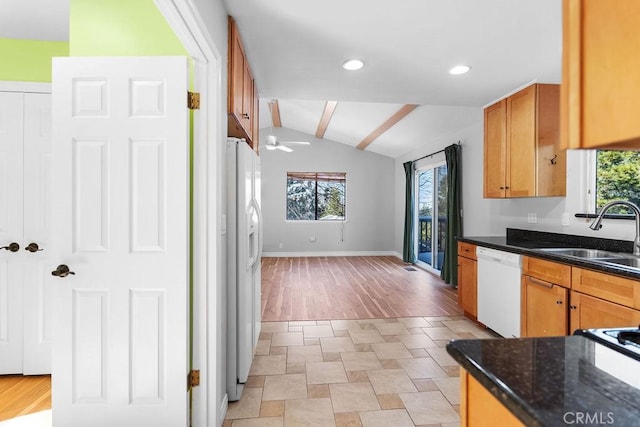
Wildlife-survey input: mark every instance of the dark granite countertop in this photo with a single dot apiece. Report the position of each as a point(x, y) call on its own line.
point(552, 381)
point(529, 242)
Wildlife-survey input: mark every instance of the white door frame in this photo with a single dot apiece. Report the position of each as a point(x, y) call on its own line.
point(209, 138)
point(27, 87)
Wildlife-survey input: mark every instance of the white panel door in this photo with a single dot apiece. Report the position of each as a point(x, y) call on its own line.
point(37, 333)
point(11, 125)
point(120, 224)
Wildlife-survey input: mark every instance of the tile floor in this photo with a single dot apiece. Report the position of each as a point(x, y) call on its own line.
point(370, 373)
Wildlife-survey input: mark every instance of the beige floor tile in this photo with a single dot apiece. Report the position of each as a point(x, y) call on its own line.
point(368, 326)
point(422, 368)
point(358, 376)
point(296, 368)
point(248, 406)
point(337, 345)
point(371, 321)
point(429, 408)
point(363, 347)
point(275, 351)
point(435, 323)
point(392, 329)
point(441, 356)
point(341, 334)
point(269, 365)
point(308, 412)
point(414, 322)
point(283, 387)
point(348, 419)
point(391, 338)
point(315, 391)
point(419, 352)
point(259, 422)
point(302, 323)
point(432, 319)
point(265, 335)
point(343, 325)
point(483, 334)
point(312, 341)
point(274, 408)
point(303, 354)
point(366, 336)
point(360, 361)
point(391, 350)
point(417, 341)
point(390, 401)
point(450, 425)
point(326, 373)
point(442, 333)
point(452, 371)
point(274, 327)
point(287, 338)
point(255, 381)
point(331, 357)
point(393, 417)
point(391, 381)
point(227, 423)
point(263, 347)
point(323, 322)
point(415, 331)
point(317, 331)
point(461, 325)
point(390, 364)
point(450, 388)
point(425, 385)
point(466, 335)
point(353, 397)
point(295, 329)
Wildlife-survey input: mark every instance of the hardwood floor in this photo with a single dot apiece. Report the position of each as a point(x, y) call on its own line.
point(330, 288)
point(24, 395)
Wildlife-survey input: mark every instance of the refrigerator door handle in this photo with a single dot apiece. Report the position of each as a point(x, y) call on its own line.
point(254, 237)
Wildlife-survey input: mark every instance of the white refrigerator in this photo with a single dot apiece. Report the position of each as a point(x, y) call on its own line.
point(244, 250)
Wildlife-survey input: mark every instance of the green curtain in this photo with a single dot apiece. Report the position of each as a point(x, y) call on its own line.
point(408, 249)
point(449, 271)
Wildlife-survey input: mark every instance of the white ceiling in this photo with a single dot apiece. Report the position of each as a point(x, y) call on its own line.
point(296, 48)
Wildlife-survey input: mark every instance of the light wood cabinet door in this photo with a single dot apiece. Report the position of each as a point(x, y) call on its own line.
point(521, 143)
point(544, 308)
point(588, 312)
point(600, 85)
point(495, 150)
point(467, 285)
point(620, 290)
point(479, 408)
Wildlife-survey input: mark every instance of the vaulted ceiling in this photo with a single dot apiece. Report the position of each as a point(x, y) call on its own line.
point(296, 49)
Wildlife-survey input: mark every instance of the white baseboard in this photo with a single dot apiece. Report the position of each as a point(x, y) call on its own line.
point(223, 409)
point(327, 253)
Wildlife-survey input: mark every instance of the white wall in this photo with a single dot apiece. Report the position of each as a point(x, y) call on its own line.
point(490, 217)
point(369, 196)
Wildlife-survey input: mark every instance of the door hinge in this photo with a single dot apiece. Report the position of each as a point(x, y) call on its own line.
point(193, 379)
point(193, 100)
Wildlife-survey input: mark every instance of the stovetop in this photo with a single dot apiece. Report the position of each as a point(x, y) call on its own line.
point(624, 340)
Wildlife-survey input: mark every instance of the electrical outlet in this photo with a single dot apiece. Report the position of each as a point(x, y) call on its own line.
point(280, 245)
point(565, 219)
point(532, 218)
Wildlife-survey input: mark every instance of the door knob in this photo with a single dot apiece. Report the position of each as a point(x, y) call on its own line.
point(62, 271)
point(32, 247)
point(13, 247)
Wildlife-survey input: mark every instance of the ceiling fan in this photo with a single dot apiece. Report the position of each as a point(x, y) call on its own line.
point(274, 144)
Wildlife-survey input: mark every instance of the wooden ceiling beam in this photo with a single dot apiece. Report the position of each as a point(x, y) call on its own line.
point(329, 108)
point(275, 113)
point(390, 122)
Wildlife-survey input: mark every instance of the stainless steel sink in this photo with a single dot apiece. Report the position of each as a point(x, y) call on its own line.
point(627, 262)
point(582, 253)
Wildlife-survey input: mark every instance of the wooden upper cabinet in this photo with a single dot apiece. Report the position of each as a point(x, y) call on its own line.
point(522, 156)
point(243, 94)
point(600, 86)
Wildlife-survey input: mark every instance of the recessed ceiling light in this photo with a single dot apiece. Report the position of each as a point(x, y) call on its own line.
point(459, 69)
point(353, 64)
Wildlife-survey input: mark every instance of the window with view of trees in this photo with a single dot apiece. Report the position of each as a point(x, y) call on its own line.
point(617, 178)
point(316, 196)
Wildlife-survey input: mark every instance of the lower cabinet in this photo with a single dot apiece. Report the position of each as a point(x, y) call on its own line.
point(467, 279)
point(589, 312)
point(479, 408)
point(544, 308)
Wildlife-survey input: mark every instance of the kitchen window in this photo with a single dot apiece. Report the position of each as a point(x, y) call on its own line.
point(617, 177)
point(316, 196)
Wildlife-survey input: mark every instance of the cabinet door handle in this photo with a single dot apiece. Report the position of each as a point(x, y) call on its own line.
point(540, 282)
point(572, 307)
point(13, 247)
point(245, 115)
point(33, 247)
point(558, 302)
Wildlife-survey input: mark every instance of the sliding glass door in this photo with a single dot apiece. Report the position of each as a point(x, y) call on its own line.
point(431, 188)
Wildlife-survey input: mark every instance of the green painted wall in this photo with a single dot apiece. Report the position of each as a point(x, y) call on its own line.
point(120, 28)
point(29, 60)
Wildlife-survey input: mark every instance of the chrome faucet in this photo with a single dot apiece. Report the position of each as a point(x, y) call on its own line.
point(597, 223)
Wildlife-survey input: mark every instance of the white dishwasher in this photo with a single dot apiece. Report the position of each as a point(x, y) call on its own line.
point(499, 291)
